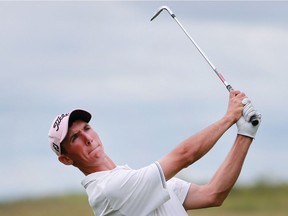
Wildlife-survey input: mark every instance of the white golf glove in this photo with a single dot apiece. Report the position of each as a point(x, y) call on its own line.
point(244, 124)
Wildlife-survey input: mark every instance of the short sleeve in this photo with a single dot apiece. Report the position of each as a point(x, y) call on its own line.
point(179, 187)
point(137, 192)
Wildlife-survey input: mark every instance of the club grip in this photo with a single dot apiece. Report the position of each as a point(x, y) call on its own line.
point(254, 121)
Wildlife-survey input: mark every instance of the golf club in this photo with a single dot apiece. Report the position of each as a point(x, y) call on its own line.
point(253, 119)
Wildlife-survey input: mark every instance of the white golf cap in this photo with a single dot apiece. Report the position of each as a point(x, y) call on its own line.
point(60, 126)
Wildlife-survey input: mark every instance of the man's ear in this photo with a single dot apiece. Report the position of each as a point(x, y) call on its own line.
point(65, 160)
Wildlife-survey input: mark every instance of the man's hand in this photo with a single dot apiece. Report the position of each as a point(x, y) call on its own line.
point(235, 106)
point(244, 124)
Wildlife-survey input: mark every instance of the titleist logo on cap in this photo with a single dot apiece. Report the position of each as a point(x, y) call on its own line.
point(58, 121)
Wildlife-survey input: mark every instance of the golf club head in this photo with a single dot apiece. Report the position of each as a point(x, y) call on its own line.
point(161, 9)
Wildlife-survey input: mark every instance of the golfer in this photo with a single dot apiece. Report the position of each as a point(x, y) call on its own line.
point(153, 190)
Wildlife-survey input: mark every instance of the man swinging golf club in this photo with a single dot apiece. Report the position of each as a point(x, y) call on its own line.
point(154, 190)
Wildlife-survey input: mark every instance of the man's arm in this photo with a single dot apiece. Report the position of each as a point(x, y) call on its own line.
point(215, 192)
point(199, 144)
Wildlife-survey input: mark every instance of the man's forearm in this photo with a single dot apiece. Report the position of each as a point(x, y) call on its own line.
point(193, 148)
point(200, 143)
point(227, 174)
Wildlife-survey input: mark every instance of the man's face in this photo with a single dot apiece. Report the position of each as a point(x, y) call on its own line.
point(83, 145)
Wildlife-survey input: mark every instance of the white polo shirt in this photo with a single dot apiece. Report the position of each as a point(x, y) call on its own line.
point(142, 192)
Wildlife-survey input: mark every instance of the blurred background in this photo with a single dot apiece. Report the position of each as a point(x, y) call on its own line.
point(144, 82)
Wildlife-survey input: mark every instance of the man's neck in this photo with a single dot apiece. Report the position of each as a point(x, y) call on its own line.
point(107, 165)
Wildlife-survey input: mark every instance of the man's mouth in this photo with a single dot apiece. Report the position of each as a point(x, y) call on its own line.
point(94, 149)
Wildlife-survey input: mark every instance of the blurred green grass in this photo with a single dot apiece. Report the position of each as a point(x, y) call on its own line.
point(71, 205)
point(258, 200)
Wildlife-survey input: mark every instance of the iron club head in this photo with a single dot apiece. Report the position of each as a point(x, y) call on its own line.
point(161, 9)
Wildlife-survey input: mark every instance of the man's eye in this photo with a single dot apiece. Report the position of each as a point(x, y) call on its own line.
point(74, 137)
point(87, 128)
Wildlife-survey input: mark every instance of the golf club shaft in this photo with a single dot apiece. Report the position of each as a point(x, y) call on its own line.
point(253, 119)
point(227, 85)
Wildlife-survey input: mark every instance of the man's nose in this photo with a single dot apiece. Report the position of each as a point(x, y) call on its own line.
point(87, 138)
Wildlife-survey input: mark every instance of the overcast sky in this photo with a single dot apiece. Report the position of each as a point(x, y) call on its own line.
point(144, 82)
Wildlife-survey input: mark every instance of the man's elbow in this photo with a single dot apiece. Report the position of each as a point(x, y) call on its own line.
point(217, 200)
point(186, 156)
point(216, 203)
